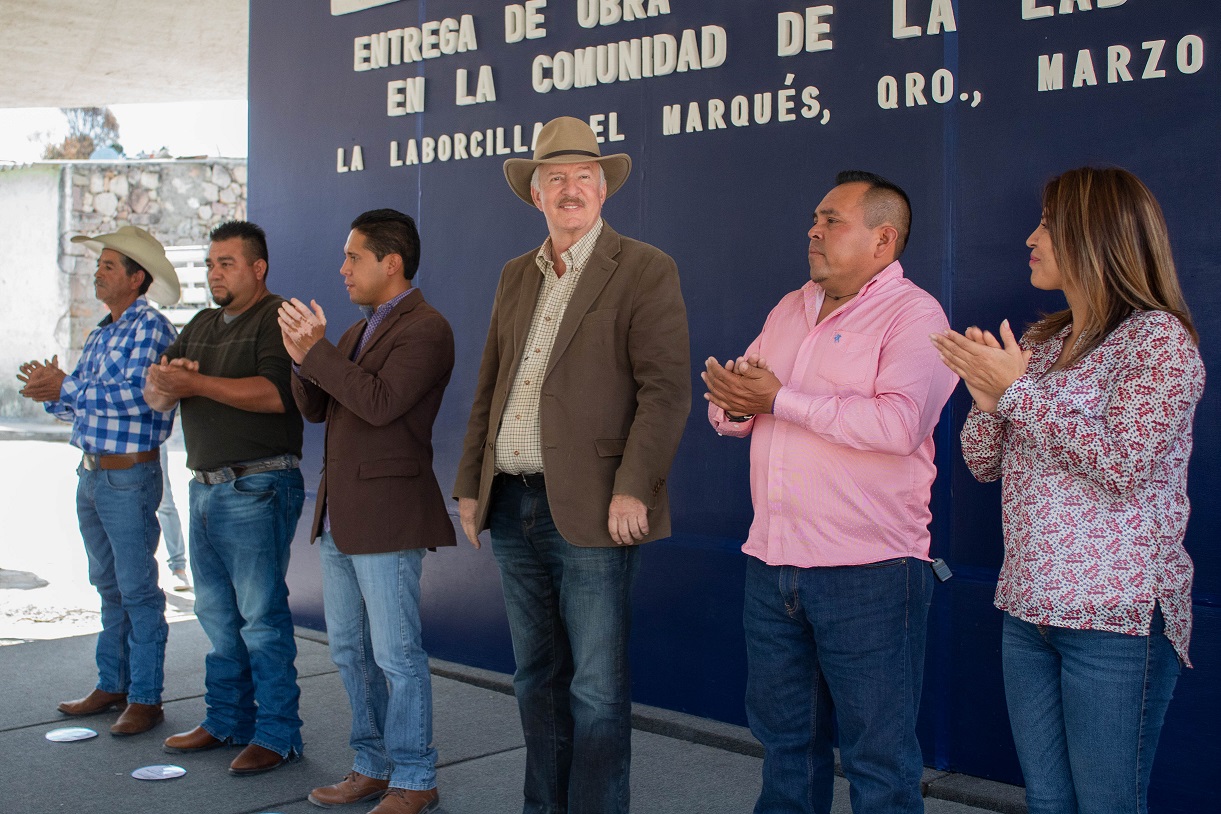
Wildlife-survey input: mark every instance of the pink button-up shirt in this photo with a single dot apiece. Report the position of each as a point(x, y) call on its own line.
point(840, 473)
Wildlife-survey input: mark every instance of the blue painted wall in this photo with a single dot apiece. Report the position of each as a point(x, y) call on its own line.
point(732, 206)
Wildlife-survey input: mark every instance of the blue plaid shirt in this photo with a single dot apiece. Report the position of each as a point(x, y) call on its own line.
point(104, 395)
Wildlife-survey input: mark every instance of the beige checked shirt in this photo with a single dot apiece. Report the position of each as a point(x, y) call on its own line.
point(518, 448)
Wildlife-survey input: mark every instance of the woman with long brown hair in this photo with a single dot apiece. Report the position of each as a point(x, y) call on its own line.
point(1087, 421)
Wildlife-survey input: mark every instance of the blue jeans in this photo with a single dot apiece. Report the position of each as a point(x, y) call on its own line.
point(570, 612)
point(372, 604)
point(116, 510)
point(240, 536)
point(840, 645)
point(1086, 707)
point(171, 524)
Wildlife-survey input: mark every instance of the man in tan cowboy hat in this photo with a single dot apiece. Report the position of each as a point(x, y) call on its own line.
point(582, 396)
point(119, 484)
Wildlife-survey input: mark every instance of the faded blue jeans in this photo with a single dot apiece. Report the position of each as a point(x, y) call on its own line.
point(372, 605)
point(171, 524)
point(116, 510)
point(1086, 708)
point(837, 646)
point(570, 614)
point(240, 536)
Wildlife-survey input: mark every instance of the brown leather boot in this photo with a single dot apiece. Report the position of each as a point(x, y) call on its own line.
point(354, 788)
point(197, 740)
point(255, 759)
point(137, 718)
point(93, 703)
point(407, 801)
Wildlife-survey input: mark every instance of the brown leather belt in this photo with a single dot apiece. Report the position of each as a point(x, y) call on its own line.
point(123, 460)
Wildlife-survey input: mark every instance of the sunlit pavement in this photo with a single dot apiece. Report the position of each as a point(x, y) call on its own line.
point(41, 538)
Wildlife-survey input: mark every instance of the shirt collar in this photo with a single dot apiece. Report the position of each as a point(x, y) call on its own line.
point(385, 308)
point(892, 272)
point(128, 313)
point(577, 255)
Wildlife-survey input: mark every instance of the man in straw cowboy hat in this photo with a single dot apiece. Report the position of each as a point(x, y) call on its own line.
point(582, 396)
point(119, 484)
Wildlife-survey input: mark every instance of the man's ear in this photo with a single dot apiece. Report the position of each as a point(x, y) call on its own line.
point(394, 264)
point(888, 242)
point(260, 268)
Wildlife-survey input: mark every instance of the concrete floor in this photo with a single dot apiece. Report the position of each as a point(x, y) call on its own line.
point(50, 631)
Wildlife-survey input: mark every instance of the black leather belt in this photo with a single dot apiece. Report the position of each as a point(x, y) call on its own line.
point(228, 473)
point(531, 480)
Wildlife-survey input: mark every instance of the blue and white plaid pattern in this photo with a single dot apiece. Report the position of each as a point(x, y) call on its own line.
point(104, 395)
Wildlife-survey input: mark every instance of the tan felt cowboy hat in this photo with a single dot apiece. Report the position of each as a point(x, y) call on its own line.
point(146, 250)
point(566, 141)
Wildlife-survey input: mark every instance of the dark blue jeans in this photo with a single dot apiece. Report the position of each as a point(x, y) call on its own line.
point(842, 645)
point(570, 614)
point(1086, 707)
point(117, 510)
point(240, 536)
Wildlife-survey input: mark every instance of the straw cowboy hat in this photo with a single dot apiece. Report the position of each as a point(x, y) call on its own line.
point(566, 141)
point(146, 250)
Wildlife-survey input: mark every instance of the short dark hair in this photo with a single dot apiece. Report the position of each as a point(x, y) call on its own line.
point(131, 267)
point(884, 202)
point(254, 239)
point(388, 231)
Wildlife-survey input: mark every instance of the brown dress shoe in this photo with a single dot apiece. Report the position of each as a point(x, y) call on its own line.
point(407, 801)
point(354, 788)
point(254, 759)
point(197, 740)
point(137, 718)
point(95, 702)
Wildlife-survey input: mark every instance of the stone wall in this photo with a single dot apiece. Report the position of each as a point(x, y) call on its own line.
point(45, 313)
point(178, 201)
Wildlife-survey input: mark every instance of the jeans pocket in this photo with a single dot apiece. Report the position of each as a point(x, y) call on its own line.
point(125, 480)
point(258, 485)
point(885, 563)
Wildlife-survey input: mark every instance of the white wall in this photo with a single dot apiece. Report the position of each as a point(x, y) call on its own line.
point(33, 289)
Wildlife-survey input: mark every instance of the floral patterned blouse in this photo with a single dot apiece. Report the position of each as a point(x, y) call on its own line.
point(1093, 461)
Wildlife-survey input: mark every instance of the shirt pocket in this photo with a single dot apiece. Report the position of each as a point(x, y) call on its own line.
point(850, 358)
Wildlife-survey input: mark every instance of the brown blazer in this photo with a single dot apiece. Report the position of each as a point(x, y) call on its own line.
point(616, 393)
point(377, 478)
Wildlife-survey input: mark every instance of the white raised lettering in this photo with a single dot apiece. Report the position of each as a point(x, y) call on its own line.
point(1031, 10)
point(1155, 49)
point(1051, 72)
point(1118, 57)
